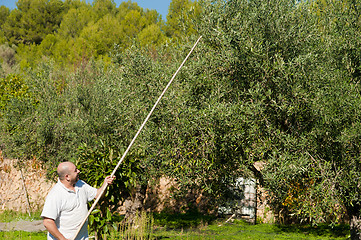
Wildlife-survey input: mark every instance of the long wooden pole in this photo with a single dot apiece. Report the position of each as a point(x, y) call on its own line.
point(135, 137)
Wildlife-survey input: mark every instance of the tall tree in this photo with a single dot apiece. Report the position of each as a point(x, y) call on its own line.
point(75, 20)
point(151, 35)
point(181, 18)
point(292, 77)
point(4, 13)
point(125, 7)
point(339, 148)
point(33, 20)
point(104, 7)
point(101, 36)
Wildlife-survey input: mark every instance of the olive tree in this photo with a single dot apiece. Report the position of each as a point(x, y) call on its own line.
point(292, 75)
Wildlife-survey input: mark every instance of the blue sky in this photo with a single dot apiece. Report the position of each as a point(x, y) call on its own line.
point(160, 5)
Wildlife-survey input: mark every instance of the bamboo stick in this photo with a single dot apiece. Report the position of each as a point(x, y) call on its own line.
point(135, 137)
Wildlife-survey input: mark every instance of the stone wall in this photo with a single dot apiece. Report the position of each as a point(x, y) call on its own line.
point(13, 195)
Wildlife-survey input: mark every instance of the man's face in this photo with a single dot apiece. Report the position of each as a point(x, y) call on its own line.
point(73, 174)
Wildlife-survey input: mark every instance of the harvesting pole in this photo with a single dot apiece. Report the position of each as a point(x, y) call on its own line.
point(135, 137)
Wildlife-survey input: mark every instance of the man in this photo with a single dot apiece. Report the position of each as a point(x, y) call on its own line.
point(66, 204)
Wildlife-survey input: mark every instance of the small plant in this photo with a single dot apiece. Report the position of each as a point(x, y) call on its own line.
point(140, 228)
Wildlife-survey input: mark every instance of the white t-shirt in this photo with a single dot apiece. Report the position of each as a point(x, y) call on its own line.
point(69, 208)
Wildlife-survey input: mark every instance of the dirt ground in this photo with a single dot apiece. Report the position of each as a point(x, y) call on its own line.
point(28, 226)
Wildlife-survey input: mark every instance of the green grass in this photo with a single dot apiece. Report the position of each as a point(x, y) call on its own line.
point(181, 220)
point(21, 235)
point(237, 230)
point(9, 216)
point(242, 230)
point(197, 226)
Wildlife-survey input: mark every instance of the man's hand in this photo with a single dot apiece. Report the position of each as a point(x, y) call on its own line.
point(50, 225)
point(109, 180)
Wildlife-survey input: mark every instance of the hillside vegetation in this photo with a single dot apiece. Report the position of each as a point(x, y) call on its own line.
point(272, 82)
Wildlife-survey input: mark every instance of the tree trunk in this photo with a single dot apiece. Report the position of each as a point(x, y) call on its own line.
point(134, 204)
point(355, 228)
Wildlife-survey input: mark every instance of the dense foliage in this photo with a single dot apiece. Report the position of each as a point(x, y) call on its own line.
point(273, 84)
point(72, 31)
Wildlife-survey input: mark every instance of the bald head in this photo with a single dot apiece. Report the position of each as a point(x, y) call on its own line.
point(65, 168)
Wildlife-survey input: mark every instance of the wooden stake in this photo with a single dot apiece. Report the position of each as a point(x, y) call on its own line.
point(26, 193)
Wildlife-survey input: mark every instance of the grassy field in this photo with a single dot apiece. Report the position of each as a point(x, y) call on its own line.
point(238, 230)
point(23, 235)
point(202, 227)
point(242, 230)
point(9, 216)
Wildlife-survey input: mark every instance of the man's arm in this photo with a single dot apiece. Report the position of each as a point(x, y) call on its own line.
point(50, 225)
point(108, 180)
